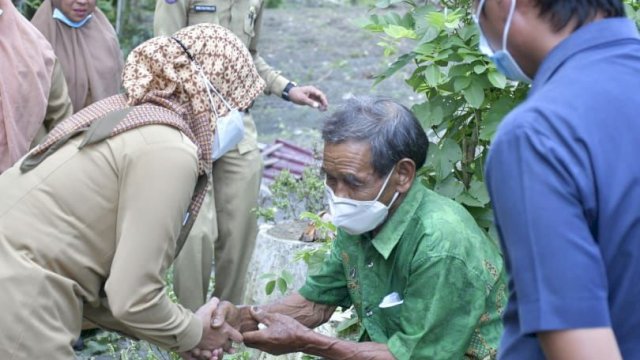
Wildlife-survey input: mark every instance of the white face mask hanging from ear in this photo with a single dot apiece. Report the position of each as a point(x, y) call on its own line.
point(356, 216)
point(229, 128)
point(504, 61)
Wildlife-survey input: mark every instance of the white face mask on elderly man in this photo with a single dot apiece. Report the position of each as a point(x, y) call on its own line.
point(356, 216)
point(229, 128)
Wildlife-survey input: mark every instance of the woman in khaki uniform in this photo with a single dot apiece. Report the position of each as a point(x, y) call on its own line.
point(89, 219)
point(33, 92)
point(228, 223)
point(87, 46)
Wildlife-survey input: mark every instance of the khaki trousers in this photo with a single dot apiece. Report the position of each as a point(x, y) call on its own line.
point(226, 220)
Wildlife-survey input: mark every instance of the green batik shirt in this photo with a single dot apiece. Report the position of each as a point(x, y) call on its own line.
point(448, 274)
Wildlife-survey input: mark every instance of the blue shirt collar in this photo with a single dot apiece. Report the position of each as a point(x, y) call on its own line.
point(588, 36)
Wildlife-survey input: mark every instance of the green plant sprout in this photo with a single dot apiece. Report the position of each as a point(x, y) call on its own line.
point(282, 281)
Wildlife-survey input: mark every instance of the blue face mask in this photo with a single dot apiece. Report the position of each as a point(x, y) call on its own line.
point(59, 15)
point(505, 63)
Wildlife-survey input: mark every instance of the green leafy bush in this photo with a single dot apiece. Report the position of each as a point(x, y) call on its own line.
point(466, 97)
point(291, 196)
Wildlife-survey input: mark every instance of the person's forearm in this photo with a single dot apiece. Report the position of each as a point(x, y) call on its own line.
point(308, 313)
point(580, 344)
point(332, 348)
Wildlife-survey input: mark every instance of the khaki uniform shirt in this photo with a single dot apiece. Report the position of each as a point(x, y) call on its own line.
point(94, 230)
point(243, 18)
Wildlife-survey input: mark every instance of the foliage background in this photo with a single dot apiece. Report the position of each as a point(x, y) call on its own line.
point(466, 96)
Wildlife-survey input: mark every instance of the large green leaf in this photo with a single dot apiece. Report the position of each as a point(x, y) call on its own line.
point(443, 157)
point(468, 31)
point(271, 285)
point(282, 285)
point(494, 116)
point(460, 70)
point(461, 83)
point(432, 75)
point(399, 32)
point(497, 79)
point(466, 199)
point(483, 215)
point(427, 114)
point(449, 187)
point(436, 19)
point(474, 94)
point(479, 68)
point(478, 191)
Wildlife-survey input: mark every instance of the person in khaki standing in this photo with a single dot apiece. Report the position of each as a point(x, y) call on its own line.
point(33, 92)
point(91, 219)
point(229, 222)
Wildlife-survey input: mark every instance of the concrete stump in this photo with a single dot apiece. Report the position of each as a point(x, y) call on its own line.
point(274, 252)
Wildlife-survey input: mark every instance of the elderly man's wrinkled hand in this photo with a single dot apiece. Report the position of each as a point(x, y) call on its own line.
point(281, 334)
point(310, 96)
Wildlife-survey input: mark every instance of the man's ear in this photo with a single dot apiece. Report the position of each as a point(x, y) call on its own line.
point(405, 173)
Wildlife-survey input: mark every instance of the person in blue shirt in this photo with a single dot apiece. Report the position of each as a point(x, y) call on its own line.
point(564, 177)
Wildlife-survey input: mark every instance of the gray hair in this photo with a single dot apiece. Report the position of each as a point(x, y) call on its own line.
point(392, 130)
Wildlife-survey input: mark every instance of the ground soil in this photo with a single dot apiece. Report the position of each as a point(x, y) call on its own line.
point(321, 45)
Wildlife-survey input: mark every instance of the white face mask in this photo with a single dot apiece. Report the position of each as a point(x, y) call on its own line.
point(229, 128)
point(505, 63)
point(356, 216)
point(59, 15)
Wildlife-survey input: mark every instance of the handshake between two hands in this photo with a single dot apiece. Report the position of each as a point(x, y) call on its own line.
point(224, 323)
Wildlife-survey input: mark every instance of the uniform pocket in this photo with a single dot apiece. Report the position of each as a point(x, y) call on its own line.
point(203, 11)
point(250, 17)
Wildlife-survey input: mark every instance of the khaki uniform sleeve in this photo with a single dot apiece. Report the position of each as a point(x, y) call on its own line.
point(275, 82)
point(59, 106)
point(169, 18)
point(156, 184)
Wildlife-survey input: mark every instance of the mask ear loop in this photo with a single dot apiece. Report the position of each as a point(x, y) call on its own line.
point(507, 26)
point(207, 86)
point(210, 85)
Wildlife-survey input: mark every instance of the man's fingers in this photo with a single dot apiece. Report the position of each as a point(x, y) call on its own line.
point(318, 96)
point(260, 315)
point(234, 334)
point(220, 315)
point(253, 337)
point(212, 304)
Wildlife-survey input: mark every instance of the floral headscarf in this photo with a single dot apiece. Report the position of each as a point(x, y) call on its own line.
point(164, 87)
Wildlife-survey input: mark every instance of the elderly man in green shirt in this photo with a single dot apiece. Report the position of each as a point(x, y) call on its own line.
point(425, 281)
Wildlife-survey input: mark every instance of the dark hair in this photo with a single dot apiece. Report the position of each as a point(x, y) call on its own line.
point(561, 12)
point(392, 130)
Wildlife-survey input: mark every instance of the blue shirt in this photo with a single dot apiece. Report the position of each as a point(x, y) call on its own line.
point(564, 178)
